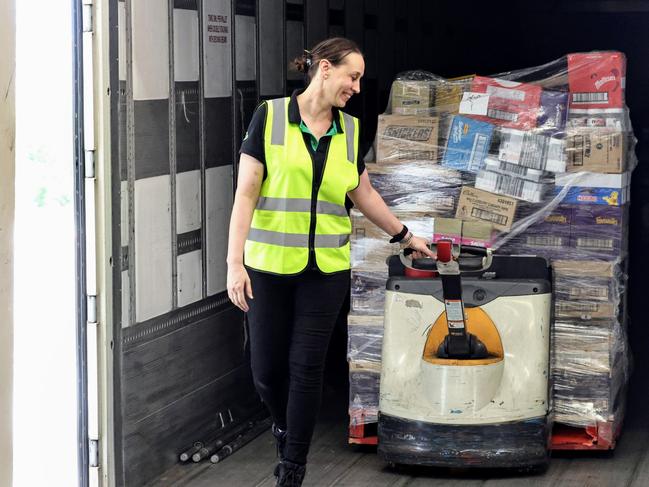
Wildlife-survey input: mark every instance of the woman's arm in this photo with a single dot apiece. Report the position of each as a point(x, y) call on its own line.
point(251, 172)
point(370, 203)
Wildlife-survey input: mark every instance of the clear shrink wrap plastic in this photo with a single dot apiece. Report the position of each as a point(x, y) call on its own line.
point(534, 161)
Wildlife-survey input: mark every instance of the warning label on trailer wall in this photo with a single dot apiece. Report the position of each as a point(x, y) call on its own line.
point(217, 42)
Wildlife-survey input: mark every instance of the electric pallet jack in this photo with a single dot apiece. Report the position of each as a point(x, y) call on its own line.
point(465, 363)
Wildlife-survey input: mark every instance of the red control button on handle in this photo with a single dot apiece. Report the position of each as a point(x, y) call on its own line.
point(444, 250)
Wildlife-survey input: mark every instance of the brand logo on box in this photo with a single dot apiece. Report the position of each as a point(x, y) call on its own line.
point(556, 219)
point(606, 79)
point(459, 131)
point(600, 220)
point(586, 198)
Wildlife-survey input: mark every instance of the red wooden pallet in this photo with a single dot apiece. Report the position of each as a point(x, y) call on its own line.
point(602, 436)
point(361, 432)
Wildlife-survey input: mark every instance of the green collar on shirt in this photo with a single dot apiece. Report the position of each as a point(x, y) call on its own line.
point(315, 142)
point(294, 117)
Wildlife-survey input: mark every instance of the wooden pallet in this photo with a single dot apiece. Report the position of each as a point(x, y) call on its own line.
point(602, 436)
point(362, 431)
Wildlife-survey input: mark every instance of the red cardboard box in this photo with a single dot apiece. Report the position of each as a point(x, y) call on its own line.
point(596, 80)
point(511, 104)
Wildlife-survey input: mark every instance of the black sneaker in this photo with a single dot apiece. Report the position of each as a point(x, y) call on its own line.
point(290, 474)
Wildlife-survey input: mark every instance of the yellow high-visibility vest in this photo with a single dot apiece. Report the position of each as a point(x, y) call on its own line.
point(293, 216)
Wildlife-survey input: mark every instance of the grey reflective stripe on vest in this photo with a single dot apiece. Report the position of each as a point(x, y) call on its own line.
point(331, 241)
point(296, 239)
point(279, 121)
point(283, 204)
point(326, 208)
point(349, 132)
point(278, 238)
point(299, 204)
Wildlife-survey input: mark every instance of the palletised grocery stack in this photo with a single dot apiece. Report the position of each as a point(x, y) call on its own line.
point(535, 161)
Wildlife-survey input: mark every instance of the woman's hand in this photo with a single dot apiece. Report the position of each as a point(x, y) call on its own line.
point(420, 247)
point(239, 286)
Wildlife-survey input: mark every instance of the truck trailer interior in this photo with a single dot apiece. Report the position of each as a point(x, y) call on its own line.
point(181, 79)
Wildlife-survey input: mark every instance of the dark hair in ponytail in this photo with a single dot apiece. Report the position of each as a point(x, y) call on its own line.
point(333, 50)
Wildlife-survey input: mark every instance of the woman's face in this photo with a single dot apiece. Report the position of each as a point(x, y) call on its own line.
point(343, 81)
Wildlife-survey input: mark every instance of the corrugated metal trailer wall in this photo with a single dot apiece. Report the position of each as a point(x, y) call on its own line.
point(191, 73)
point(180, 358)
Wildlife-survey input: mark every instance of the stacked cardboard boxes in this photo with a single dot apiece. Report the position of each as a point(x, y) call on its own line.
point(581, 225)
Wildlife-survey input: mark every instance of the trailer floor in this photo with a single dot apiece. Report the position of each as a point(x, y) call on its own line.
point(332, 462)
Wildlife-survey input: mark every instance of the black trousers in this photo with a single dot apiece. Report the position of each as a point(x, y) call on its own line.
point(290, 322)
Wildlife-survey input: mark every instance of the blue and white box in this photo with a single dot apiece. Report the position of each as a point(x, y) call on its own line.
point(468, 144)
point(589, 188)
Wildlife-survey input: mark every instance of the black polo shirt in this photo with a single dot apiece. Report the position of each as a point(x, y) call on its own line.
point(253, 143)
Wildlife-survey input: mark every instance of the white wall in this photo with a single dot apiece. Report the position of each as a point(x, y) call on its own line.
point(7, 177)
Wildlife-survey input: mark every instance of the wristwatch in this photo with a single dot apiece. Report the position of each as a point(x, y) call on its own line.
point(406, 240)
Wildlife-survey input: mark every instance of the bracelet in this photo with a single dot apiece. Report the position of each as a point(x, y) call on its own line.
point(399, 236)
point(406, 241)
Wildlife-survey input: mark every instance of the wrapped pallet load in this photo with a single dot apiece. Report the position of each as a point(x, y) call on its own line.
point(536, 161)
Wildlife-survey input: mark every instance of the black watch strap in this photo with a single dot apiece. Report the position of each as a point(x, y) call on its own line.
point(399, 236)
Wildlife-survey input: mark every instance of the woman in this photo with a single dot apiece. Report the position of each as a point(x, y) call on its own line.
point(299, 160)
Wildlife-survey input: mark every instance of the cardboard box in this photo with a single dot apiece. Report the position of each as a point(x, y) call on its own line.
point(599, 230)
point(533, 150)
point(510, 104)
point(411, 97)
point(406, 138)
point(368, 292)
point(364, 385)
point(595, 188)
point(594, 180)
point(595, 196)
point(495, 165)
point(448, 94)
point(586, 280)
point(448, 228)
point(616, 119)
point(585, 310)
point(595, 151)
point(510, 185)
point(417, 186)
point(576, 232)
point(464, 232)
point(553, 111)
point(552, 232)
point(597, 79)
point(364, 338)
point(476, 204)
point(580, 289)
point(468, 144)
point(479, 234)
point(585, 269)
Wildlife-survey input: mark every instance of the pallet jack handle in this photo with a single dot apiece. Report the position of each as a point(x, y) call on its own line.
point(469, 258)
point(451, 261)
